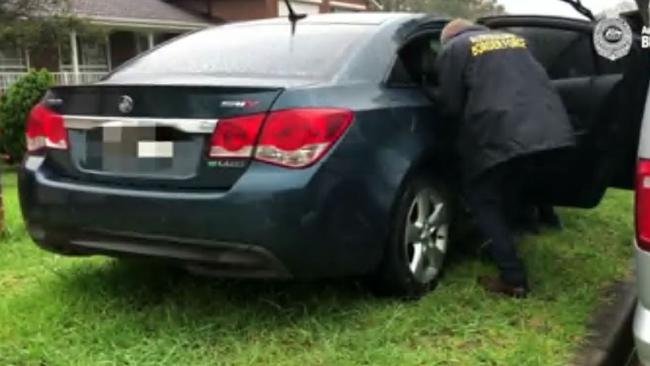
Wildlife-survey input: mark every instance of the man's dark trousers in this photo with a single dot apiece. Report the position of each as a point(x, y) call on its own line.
point(489, 196)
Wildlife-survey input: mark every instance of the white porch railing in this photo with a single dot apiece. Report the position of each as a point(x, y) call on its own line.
point(69, 78)
point(60, 78)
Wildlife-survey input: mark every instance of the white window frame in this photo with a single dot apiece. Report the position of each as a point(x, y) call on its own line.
point(86, 67)
point(348, 7)
point(23, 61)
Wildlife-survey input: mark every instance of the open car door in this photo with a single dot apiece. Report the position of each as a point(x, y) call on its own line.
point(644, 10)
point(604, 98)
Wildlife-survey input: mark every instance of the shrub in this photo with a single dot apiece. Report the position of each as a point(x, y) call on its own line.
point(15, 106)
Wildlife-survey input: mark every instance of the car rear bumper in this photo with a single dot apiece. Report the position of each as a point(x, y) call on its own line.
point(301, 224)
point(642, 316)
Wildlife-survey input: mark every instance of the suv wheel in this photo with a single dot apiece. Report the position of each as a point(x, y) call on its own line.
point(419, 241)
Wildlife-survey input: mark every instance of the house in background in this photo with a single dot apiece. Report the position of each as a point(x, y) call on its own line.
point(236, 10)
point(134, 26)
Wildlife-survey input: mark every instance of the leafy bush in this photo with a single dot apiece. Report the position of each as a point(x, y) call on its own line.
point(15, 106)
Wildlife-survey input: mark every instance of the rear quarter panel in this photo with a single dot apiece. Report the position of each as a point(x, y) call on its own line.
point(394, 134)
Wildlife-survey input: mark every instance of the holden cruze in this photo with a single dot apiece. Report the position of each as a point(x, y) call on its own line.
point(247, 150)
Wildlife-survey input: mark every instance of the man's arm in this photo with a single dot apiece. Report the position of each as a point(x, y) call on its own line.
point(451, 69)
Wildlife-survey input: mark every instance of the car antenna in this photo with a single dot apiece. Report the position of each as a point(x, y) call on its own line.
point(294, 17)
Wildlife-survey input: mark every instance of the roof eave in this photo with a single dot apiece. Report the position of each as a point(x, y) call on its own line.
point(119, 22)
point(349, 6)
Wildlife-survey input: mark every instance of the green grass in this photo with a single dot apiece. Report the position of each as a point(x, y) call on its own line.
point(64, 311)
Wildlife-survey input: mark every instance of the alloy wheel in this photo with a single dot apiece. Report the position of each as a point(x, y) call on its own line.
point(426, 235)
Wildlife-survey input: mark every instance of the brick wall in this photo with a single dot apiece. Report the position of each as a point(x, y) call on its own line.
point(197, 6)
point(233, 10)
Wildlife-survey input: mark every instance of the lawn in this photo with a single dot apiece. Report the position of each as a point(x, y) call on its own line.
point(63, 311)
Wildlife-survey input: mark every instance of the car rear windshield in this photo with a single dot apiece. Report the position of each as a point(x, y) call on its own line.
point(262, 51)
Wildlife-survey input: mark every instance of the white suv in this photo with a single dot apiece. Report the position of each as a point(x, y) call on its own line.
point(642, 316)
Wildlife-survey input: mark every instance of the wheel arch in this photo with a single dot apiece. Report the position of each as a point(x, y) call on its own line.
point(432, 163)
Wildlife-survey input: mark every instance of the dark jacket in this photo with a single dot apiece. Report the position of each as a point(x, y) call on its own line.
point(503, 98)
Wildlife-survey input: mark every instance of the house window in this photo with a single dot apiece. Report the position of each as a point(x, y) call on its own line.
point(12, 58)
point(93, 56)
point(141, 42)
point(164, 37)
point(336, 9)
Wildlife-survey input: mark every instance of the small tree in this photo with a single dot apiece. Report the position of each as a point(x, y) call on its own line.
point(33, 23)
point(15, 107)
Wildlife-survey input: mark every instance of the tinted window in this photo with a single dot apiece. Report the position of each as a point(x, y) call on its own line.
point(315, 51)
point(416, 62)
point(564, 53)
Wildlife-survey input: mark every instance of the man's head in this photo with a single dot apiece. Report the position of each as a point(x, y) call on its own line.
point(453, 28)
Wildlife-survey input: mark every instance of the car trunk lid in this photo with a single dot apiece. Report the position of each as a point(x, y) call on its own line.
point(151, 136)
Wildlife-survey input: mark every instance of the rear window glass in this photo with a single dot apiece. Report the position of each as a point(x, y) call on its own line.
point(264, 51)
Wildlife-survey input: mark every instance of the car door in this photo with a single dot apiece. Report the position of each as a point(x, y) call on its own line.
point(603, 98)
point(414, 72)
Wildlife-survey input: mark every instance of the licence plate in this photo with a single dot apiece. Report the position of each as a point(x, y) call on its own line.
point(155, 149)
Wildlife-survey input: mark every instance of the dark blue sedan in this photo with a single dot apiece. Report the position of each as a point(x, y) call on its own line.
point(246, 151)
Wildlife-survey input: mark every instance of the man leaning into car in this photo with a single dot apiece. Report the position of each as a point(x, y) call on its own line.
point(508, 111)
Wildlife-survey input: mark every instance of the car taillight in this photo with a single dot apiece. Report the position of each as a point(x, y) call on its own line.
point(293, 138)
point(643, 204)
point(45, 129)
point(235, 137)
point(297, 138)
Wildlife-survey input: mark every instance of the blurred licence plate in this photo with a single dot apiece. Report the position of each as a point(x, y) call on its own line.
point(155, 149)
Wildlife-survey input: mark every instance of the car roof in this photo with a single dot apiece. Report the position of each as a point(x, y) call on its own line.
point(533, 18)
point(360, 18)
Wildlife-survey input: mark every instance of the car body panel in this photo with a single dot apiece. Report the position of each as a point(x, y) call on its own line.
point(642, 316)
point(641, 326)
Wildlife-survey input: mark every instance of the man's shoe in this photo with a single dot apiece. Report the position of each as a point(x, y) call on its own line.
point(497, 286)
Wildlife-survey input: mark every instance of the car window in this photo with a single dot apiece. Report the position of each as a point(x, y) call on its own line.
point(564, 53)
point(399, 75)
point(263, 51)
point(416, 61)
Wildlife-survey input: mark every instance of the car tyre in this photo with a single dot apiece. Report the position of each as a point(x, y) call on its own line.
point(418, 245)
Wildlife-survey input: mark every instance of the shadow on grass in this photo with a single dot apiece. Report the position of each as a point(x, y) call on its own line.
point(142, 286)
point(130, 287)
